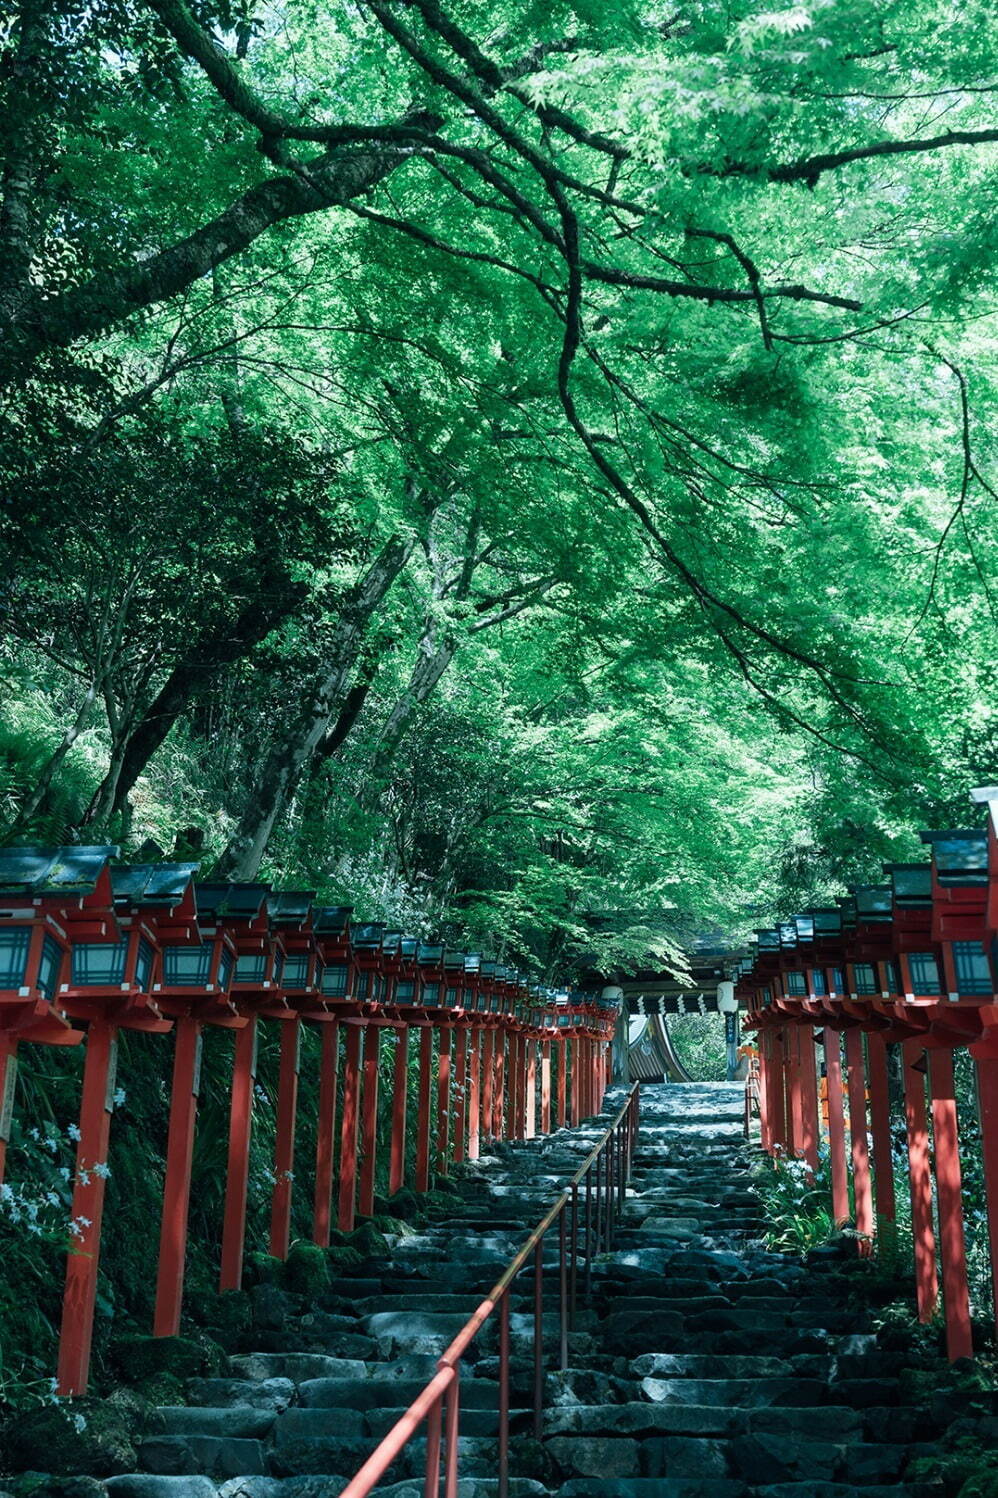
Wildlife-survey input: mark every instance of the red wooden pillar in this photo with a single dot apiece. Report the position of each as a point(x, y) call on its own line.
point(324, 1129)
point(795, 1100)
point(474, 1093)
point(488, 1083)
point(237, 1170)
point(561, 1061)
point(88, 1206)
point(861, 1185)
point(349, 1123)
point(514, 1087)
point(880, 1130)
point(424, 1114)
point(765, 1089)
point(177, 1179)
point(572, 1056)
point(500, 1129)
point(400, 1085)
point(987, 1097)
point(443, 1100)
point(284, 1145)
point(369, 1131)
point(809, 1106)
point(777, 1092)
point(836, 1127)
point(920, 1180)
point(460, 1092)
point(952, 1247)
point(545, 1086)
point(530, 1092)
point(8, 1080)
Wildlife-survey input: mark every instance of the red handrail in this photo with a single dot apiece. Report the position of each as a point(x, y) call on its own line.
point(611, 1156)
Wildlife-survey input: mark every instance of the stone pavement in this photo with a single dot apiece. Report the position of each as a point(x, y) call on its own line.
point(703, 1366)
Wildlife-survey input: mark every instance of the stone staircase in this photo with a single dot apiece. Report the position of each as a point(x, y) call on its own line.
point(703, 1366)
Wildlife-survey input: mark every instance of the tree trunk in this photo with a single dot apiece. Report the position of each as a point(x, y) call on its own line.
point(436, 651)
point(291, 754)
point(191, 677)
point(55, 760)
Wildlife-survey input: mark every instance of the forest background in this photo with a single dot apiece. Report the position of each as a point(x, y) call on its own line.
point(523, 471)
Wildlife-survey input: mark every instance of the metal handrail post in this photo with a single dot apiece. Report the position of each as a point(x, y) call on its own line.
point(538, 1337)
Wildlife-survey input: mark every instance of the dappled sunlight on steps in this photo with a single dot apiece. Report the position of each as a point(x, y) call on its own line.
point(703, 1367)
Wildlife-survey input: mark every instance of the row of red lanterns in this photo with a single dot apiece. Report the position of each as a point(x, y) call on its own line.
point(88, 948)
point(913, 961)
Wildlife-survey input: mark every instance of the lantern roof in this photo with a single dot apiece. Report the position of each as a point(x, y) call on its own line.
point(847, 909)
point(53, 871)
point(911, 883)
point(804, 926)
point(874, 902)
point(431, 952)
point(769, 941)
point(367, 938)
point(454, 961)
point(290, 907)
point(159, 884)
point(472, 962)
point(332, 920)
point(960, 856)
point(391, 943)
point(787, 934)
point(234, 902)
point(410, 948)
point(987, 795)
point(827, 922)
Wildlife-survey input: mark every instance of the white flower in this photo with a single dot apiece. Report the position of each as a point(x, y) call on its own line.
point(73, 1132)
point(102, 1169)
point(79, 1424)
point(119, 1097)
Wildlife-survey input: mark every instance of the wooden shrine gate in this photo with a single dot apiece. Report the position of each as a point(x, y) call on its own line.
point(912, 965)
point(89, 947)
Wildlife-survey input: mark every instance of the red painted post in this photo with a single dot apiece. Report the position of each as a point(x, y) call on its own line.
point(349, 1123)
point(572, 1055)
point(765, 1089)
point(284, 1146)
point(920, 1180)
point(474, 1093)
point(177, 1179)
point(545, 1086)
point(952, 1247)
point(324, 1130)
point(88, 1206)
point(400, 1086)
point(561, 1061)
point(836, 1127)
point(861, 1184)
point(778, 1091)
point(237, 1171)
point(987, 1097)
point(424, 1115)
point(530, 1089)
point(8, 1079)
point(880, 1130)
point(460, 1092)
point(795, 1101)
point(488, 1083)
point(443, 1100)
point(809, 1097)
point(502, 1113)
point(514, 1128)
point(369, 1130)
